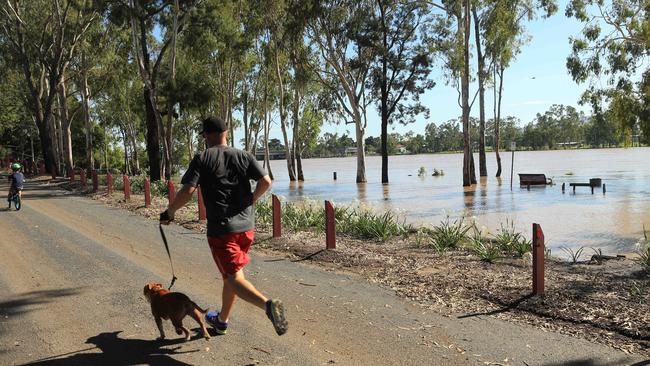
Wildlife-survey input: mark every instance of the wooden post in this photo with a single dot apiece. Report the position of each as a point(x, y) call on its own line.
point(563, 186)
point(82, 178)
point(330, 229)
point(334, 175)
point(109, 182)
point(147, 192)
point(41, 168)
point(604, 190)
point(592, 189)
point(95, 181)
point(171, 193)
point(199, 197)
point(127, 187)
point(71, 174)
point(538, 260)
point(277, 216)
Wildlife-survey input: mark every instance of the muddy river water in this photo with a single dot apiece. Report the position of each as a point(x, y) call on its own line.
point(612, 221)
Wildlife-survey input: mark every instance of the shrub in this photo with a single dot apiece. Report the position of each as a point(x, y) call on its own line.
point(643, 249)
point(486, 250)
point(449, 234)
point(511, 241)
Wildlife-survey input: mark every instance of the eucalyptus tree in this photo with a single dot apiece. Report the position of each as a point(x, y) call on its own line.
point(500, 30)
point(614, 46)
point(144, 18)
point(42, 37)
point(343, 64)
point(400, 37)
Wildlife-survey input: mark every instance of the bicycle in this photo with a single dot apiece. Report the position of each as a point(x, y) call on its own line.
point(16, 200)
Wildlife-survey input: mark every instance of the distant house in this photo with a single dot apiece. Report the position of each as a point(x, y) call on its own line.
point(273, 155)
point(401, 149)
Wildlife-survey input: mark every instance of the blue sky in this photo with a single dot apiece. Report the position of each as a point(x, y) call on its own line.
point(544, 58)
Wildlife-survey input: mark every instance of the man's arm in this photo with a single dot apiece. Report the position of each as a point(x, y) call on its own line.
point(179, 201)
point(263, 184)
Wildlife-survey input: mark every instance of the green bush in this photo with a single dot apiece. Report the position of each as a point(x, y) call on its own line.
point(485, 249)
point(643, 249)
point(449, 235)
point(511, 241)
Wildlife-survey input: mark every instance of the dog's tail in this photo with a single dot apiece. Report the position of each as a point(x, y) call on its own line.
point(199, 308)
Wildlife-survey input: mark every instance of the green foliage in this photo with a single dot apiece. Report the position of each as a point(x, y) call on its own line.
point(574, 255)
point(487, 250)
point(511, 241)
point(422, 171)
point(449, 234)
point(643, 249)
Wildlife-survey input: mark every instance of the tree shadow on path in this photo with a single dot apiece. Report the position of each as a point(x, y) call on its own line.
point(117, 351)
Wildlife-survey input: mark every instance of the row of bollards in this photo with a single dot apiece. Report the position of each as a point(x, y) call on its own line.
point(330, 222)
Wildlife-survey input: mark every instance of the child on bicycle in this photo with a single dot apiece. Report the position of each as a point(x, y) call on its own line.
point(16, 181)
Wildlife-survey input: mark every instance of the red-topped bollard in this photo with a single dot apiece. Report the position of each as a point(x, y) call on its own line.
point(82, 178)
point(109, 182)
point(147, 192)
point(202, 214)
point(71, 174)
point(277, 216)
point(330, 229)
point(95, 181)
point(538, 260)
point(41, 168)
point(171, 193)
point(127, 187)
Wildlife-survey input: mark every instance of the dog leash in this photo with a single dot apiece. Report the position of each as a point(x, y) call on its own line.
point(164, 238)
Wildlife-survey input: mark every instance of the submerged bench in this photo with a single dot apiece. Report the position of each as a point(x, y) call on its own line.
point(533, 180)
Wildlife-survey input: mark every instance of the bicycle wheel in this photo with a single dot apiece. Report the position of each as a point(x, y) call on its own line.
point(17, 203)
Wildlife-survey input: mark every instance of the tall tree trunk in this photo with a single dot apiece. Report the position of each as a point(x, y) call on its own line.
point(245, 116)
point(58, 126)
point(301, 176)
point(153, 145)
point(85, 106)
point(481, 96)
point(283, 120)
point(384, 104)
point(497, 117)
point(464, 27)
point(65, 126)
point(267, 160)
point(167, 139)
point(296, 128)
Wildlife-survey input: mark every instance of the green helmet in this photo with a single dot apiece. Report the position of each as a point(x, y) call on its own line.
point(15, 166)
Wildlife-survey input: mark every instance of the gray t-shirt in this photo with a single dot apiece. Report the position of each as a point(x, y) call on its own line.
point(224, 174)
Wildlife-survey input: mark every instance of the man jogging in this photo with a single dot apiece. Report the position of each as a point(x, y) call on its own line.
point(224, 174)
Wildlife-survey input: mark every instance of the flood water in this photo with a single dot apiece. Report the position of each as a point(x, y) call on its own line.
point(612, 221)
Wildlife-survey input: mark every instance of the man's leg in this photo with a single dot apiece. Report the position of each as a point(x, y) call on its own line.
point(240, 286)
point(228, 297)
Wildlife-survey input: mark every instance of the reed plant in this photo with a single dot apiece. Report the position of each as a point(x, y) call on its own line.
point(509, 240)
point(449, 235)
point(487, 250)
point(643, 249)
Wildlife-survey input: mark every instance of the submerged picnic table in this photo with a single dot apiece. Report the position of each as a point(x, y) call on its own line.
point(593, 182)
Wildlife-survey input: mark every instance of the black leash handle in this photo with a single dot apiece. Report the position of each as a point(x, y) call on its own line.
point(164, 238)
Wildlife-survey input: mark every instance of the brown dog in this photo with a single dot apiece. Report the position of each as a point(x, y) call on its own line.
point(174, 306)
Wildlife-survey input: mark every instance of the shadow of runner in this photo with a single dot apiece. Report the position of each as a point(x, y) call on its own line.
point(506, 307)
point(119, 352)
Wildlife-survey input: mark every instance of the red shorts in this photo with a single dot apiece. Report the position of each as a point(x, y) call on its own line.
point(230, 251)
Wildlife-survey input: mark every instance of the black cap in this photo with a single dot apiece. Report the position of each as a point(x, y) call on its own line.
point(214, 124)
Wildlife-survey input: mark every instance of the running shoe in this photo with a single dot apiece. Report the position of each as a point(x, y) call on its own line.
point(213, 319)
point(275, 312)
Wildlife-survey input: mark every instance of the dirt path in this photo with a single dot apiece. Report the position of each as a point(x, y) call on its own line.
point(71, 278)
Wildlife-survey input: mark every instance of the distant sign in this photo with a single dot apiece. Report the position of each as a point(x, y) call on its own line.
point(513, 145)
